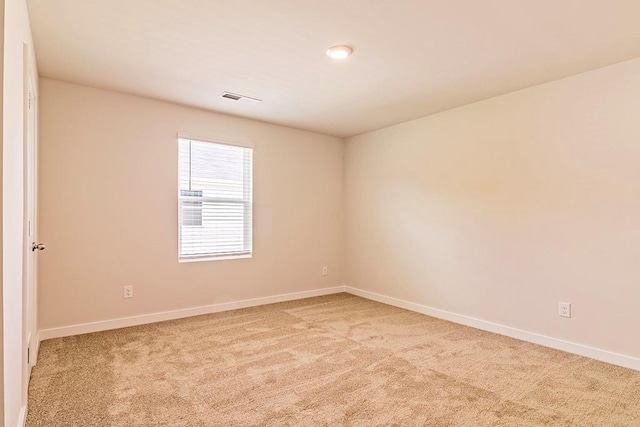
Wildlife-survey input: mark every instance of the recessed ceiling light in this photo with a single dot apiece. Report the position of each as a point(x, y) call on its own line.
point(339, 52)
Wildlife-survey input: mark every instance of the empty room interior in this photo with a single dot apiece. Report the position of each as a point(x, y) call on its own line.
point(319, 213)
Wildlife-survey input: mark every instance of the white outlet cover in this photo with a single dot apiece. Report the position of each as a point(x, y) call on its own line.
point(127, 292)
point(564, 309)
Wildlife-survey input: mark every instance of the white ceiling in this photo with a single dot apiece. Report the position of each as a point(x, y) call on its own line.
point(411, 57)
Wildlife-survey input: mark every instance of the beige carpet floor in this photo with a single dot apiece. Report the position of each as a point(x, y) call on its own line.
point(336, 360)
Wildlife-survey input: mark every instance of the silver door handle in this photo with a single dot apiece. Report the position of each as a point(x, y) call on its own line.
point(38, 246)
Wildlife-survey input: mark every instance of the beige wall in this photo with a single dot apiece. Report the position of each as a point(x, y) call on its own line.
point(108, 208)
point(500, 209)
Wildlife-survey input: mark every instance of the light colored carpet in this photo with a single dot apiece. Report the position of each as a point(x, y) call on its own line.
point(327, 361)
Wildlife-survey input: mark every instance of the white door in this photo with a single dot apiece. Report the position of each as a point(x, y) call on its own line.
point(30, 208)
point(31, 245)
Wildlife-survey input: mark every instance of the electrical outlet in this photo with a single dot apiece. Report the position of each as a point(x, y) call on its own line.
point(128, 291)
point(325, 270)
point(564, 309)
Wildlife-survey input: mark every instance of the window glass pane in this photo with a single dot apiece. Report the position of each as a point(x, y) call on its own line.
point(191, 208)
point(217, 170)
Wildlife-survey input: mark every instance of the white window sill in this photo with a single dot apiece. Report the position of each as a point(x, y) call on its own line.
point(214, 258)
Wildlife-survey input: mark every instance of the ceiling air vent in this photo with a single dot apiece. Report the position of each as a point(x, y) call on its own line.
point(240, 98)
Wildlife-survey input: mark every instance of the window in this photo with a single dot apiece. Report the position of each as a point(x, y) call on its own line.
point(215, 200)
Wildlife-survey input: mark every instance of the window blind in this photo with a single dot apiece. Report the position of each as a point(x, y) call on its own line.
point(215, 199)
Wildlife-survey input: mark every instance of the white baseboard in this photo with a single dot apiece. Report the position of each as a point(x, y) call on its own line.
point(22, 418)
point(36, 350)
point(570, 347)
point(86, 328)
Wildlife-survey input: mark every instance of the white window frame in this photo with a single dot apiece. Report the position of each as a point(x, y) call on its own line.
point(247, 201)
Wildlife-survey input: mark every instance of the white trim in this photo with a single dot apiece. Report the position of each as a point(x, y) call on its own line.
point(86, 328)
point(22, 418)
point(223, 141)
point(37, 349)
point(214, 258)
point(568, 346)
